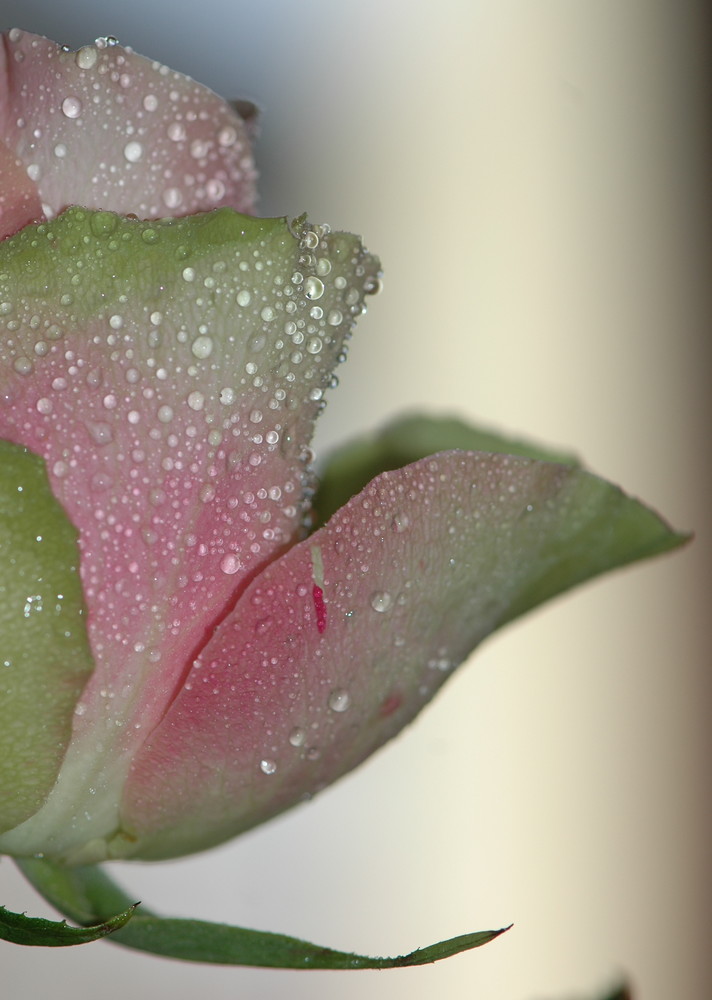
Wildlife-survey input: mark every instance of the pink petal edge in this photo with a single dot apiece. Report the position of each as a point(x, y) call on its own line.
point(105, 128)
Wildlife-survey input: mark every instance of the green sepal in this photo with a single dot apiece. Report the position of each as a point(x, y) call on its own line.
point(87, 895)
point(45, 658)
point(17, 928)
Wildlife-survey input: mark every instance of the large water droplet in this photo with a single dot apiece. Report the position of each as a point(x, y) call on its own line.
point(268, 766)
point(381, 601)
point(339, 700)
point(86, 57)
point(313, 288)
point(202, 347)
point(230, 564)
point(71, 107)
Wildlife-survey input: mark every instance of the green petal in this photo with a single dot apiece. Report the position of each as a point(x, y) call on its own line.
point(352, 466)
point(88, 895)
point(45, 658)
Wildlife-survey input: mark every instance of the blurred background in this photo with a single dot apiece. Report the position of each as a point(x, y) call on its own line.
point(535, 178)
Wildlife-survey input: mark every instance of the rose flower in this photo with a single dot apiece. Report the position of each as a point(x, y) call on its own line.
point(183, 652)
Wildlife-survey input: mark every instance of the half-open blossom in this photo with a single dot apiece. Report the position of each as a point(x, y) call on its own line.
point(159, 382)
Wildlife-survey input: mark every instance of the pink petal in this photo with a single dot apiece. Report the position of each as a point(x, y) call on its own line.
point(339, 644)
point(170, 377)
point(106, 128)
point(19, 201)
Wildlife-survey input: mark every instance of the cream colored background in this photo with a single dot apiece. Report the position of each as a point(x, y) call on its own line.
point(532, 175)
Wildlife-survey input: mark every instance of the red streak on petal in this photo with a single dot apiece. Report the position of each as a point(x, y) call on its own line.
point(392, 703)
point(319, 607)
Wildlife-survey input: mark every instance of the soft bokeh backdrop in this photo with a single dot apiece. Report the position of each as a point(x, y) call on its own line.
point(533, 177)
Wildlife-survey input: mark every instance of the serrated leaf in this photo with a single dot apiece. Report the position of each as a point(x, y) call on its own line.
point(18, 928)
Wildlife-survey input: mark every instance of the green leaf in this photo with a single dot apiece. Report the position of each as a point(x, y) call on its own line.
point(408, 439)
point(89, 895)
point(20, 929)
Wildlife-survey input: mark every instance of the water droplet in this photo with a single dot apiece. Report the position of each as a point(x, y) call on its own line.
point(100, 433)
point(310, 240)
point(206, 493)
point(297, 736)
point(86, 57)
point(188, 274)
point(314, 345)
point(23, 366)
point(176, 132)
point(339, 700)
point(196, 400)
point(263, 625)
point(268, 766)
point(100, 481)
point(243, 297)
point(227, 396)
point(227, 135)
point(102, 223)
point(172, 197)
point(150, 102)
point(71, 107)
point(400, 522)
point(165, 414)
point(230, 564)
point(381, 600)
point(202, 346)
point(149, 236)
point(33, 171)
point(313, 288)
point(215, 189)
point(60, 150)
point(44, 405)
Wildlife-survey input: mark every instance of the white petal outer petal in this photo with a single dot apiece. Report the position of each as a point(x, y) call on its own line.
point(149, 365)
point(300, 684)
point(106, 128)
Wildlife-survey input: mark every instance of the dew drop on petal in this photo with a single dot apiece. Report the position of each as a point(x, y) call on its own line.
point(86, 57)
point(381, 600)
point(339, 700)
point(313, 288)
point(230, 564)
point(268, 766)
point(71, 107)
point(202, 346)
point(297, 736)
point(227, 135)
